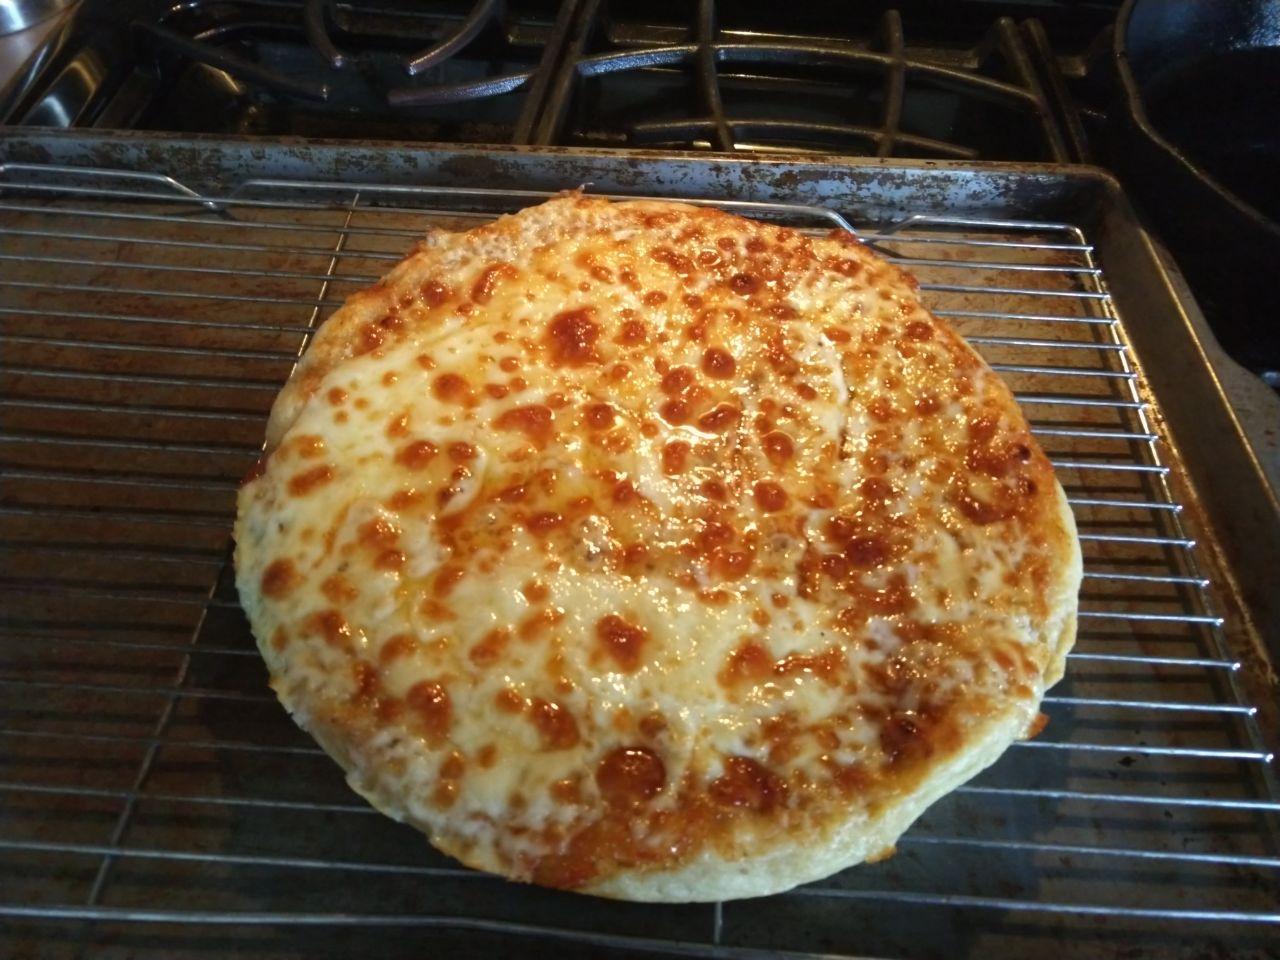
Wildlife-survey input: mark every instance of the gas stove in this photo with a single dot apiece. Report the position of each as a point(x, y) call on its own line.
point(976, 81)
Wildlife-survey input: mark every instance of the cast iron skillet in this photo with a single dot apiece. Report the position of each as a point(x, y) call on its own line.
point(1199, 136)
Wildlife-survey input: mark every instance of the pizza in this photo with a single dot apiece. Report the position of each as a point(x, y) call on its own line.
point(647, 551)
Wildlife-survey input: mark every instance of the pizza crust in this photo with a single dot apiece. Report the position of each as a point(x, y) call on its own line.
point(395, 766)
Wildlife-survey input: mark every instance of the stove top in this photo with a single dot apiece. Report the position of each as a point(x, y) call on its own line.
point(973, 80)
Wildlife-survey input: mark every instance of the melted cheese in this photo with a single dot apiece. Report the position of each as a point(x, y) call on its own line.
point(648, 508)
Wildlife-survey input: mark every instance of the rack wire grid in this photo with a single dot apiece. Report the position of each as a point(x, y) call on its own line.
point(156, 800)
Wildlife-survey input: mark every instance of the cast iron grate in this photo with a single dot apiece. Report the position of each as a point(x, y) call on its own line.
point(733, 77)
point(747, 76)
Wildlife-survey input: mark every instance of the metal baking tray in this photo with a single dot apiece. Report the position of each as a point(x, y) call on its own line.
point(156, 801)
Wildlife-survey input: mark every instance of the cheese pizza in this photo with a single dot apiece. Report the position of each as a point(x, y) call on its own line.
point(647, 551)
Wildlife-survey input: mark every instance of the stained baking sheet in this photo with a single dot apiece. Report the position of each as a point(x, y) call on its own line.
point(149, 775)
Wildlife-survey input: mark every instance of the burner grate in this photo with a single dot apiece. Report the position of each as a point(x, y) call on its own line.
point(452, 71)
point(629, 82)
point(887, 82)
point(151, 784)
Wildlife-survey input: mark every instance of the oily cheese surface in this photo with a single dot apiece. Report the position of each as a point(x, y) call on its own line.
point(644, 550)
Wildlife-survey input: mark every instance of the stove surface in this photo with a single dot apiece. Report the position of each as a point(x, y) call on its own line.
point(976, 81)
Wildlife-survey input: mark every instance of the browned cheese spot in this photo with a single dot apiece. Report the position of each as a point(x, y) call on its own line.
point(622, 641)
point(309, 446)
point(430, 703)
point(461, 452)
point(555, 725)
point(720, 417)
point(453, 388)
point(308, 481)
point(489, 649)
point(398, 426)
point(332, 626)
point(747, 784)
point(542, 523)
point(628, 776)
point(572, 336)
point(770, 496)
point(533, 420)
point(397, 647)
point(486, 284)
point(416, 455)
point(631, 333)
point(749, 663)
point(434, 293)
point(279, 578)
point(718, 362)
point(675, 457)
point(599, 416)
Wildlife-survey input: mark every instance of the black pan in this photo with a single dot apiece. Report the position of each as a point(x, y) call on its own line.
point(1198, 131)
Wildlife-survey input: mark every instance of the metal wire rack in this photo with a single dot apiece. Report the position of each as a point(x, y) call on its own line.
point(147, 774)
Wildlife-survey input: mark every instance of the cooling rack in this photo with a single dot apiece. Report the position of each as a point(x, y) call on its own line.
point(154, 796)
